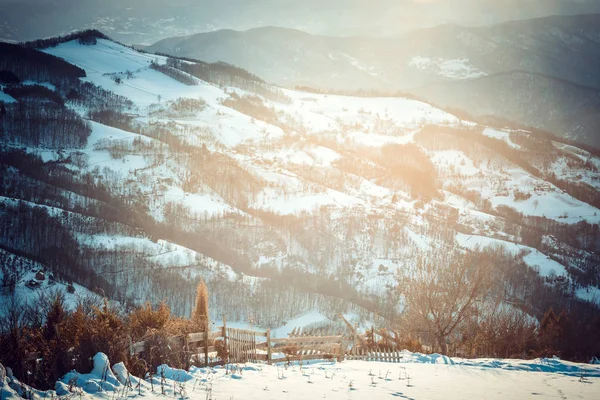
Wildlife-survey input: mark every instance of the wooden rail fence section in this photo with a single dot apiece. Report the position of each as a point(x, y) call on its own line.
point(383, 355)
point(308, 348)
point(243, 345)
point(193, 344)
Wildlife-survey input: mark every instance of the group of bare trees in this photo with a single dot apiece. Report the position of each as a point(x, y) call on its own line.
point(441, 294)
point(29, 64)
point(174, 73)
point(470, 300)
point(43, 124)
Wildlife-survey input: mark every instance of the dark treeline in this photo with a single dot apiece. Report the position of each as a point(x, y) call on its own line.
point(30, 64)
point(174, 73)
point(112, 118)
point(410, 164)
point(33, 92)
point(84, 37)
point(9, 78)
point(224, 74)
point(209, 71)
point(34, 233)
point(58, 175)
point(93, 97)
point(252, 106)
point(46, 125)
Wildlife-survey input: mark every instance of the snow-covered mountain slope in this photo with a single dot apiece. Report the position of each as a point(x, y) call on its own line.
point(259, 189)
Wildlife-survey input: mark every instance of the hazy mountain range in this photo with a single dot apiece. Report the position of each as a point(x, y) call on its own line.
point(146, 21)
point(495, 70)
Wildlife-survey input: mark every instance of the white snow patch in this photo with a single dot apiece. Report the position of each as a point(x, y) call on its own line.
point(458, 68)
point(532, 257)
point(500, 135)
point(590, 293)
point(294, 203)
point(300, 321)
point(6, 98)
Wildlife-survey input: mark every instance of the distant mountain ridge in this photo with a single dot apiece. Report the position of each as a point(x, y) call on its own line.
point(429, 62)
point(146, 21)
point(544, 45)
point(532, 99)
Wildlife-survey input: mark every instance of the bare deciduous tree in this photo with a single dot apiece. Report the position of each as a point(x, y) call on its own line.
point(440, 294)
point(503, 330)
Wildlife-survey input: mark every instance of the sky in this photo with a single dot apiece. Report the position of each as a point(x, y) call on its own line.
point(148, 20)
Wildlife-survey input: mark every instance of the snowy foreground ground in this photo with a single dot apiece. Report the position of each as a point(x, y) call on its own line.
point(418, 377)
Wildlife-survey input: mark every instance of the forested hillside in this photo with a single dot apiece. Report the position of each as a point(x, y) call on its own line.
point(135, 175)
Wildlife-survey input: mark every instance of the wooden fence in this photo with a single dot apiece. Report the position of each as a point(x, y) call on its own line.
point(193, 345)
point(243, 345)
point(308, 348)
point(381, 354)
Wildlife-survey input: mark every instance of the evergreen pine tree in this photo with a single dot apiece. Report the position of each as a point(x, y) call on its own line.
point(55, 316)
point(200, 313)
point(549, 332)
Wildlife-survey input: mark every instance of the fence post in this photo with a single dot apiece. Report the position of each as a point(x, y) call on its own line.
point(225, 348)
point(269, 346)
point(186, 351)
point(206, 332)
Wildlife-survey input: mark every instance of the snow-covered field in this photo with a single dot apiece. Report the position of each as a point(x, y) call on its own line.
point(416, 377)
